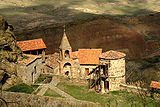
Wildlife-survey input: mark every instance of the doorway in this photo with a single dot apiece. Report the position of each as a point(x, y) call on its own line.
point(87, 71)
point(106, 85)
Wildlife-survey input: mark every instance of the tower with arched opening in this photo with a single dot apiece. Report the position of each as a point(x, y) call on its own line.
point(66, 62)
point(65, 48)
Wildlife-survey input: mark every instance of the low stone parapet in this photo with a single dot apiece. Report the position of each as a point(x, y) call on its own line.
point(130, 88)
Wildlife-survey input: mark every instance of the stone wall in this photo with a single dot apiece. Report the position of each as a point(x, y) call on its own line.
point(70, 80)
point(116, 73)
point(130, 88)
point(25, 72)
point(23, 100)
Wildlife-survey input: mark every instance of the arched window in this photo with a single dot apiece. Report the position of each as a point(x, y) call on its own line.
point(67, 64)
point(66, 54)
point(67, 68)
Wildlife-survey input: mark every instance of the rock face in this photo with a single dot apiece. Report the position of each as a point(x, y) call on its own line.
point(9, 54)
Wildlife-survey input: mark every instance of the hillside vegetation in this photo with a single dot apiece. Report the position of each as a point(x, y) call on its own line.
point(33, 13)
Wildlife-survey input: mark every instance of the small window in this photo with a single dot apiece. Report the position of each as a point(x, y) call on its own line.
point(66, 54)
point(67, 73)
point(35, 69)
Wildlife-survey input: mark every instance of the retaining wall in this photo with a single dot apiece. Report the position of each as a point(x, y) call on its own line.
point(31, 100)
point(129, 88)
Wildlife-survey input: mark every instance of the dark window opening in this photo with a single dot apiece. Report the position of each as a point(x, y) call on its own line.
point(66, 54)
point(67, 64)
point(87, 70)
point(106, 85)
point(32, 76)
point(7, 48)
point(35, 69)
point(67, 73)
point(33, 52)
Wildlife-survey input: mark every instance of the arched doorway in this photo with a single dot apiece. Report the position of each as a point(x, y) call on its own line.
point(67, 69)
point(66, 54)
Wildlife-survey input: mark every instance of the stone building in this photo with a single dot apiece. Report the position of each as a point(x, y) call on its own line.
point(106, 70)
point(115, 69)
point(30, 68)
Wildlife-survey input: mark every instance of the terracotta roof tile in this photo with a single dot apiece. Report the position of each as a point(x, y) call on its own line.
point(112, 55)
point(89, 56)
point(51, 60)
point(74, 55)
point(31, 44)
point(155, 84)
point(29, 59)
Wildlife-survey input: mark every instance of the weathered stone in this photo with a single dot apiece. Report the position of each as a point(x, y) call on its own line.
point(9, 53)
point(114, 68)
point(43, 101)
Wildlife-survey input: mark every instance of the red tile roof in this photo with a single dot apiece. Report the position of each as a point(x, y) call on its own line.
point(155, 84)
point(29, 59)
point(31, 44)
point(112, 55)
point(51, 60)
point(74, 55)
point(89, 56)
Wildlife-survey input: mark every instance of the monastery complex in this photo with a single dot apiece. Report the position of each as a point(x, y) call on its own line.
point(105, 71)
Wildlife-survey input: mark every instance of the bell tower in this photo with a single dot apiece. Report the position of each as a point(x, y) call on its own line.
point(65, 48)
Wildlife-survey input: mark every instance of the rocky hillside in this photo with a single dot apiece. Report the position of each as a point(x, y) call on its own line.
point(137, 36)
point(9, 54)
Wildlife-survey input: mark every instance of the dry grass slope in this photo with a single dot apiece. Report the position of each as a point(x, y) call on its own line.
point(44, 12)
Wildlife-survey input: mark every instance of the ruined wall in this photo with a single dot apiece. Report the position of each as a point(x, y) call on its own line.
point(116, 73)
point(43, 101)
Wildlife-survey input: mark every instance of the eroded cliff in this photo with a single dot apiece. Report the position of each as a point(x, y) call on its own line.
point(9, 55)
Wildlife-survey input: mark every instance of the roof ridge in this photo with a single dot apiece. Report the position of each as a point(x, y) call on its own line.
point(64, 42)
point(31, 40)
